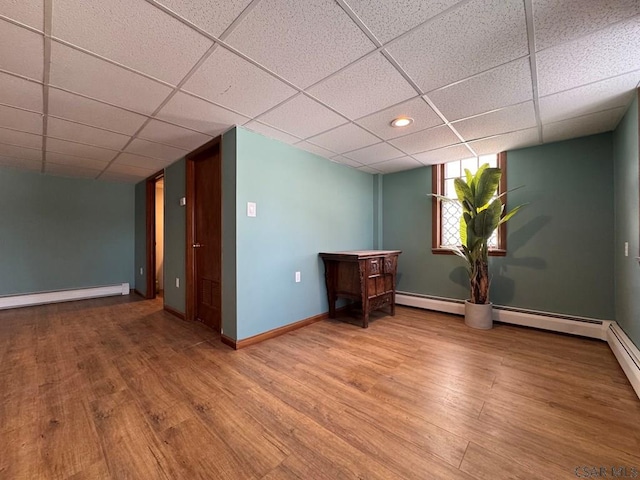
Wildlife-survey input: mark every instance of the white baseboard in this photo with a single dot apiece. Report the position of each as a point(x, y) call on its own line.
point(62, 296)
point(586, 327)
point(626, 353)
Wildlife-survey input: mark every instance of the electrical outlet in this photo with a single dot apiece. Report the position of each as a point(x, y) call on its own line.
point(297, 277)
point(177, 282)
point(626, 249)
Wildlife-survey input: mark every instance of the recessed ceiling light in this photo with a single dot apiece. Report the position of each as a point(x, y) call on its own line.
point(401, 122)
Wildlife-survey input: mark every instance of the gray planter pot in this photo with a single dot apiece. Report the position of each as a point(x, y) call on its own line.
point(478, 315)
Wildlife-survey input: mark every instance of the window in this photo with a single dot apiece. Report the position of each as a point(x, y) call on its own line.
point(446, 215)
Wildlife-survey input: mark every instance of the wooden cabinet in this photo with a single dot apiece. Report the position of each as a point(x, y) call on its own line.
point(367, 276)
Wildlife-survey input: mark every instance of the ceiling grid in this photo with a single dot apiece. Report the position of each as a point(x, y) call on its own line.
point(127, 88)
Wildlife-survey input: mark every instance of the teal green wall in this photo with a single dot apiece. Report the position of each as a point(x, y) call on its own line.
point(62, 233)
point(140, 238)
point(627, 229)
point(305, 205)
point(229, 279)
point(406, 210)
point(377, 211)
point(175, 228)
point(560, 247)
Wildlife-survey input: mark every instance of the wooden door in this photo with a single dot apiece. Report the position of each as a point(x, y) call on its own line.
point(204, 290)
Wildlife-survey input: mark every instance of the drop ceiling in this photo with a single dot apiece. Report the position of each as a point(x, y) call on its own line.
point(119, 89)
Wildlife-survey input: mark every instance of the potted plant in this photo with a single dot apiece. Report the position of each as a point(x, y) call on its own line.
point(482, 213)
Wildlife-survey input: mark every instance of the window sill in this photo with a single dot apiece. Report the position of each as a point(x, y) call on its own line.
point(494, 252)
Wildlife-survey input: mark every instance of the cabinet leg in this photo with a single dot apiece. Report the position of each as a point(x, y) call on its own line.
point(332, 306)
point(365, 318)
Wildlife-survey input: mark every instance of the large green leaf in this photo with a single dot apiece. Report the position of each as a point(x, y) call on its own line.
point(487, 220)
point(443, 198)
point(481, 169)
point(468, 175)
point(487, 185)
point(463, 191)
point(510, 214)
point(464, 218)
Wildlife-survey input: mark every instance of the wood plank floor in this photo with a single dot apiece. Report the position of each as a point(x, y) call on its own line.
point(117, 388)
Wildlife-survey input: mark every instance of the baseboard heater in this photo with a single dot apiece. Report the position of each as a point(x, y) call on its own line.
point(626, 352)
point(586, 327)
point(14, 301)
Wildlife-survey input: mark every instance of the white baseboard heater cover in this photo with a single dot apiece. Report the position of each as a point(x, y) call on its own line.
point(627, 354)
point(62, 296)
point(586, 327)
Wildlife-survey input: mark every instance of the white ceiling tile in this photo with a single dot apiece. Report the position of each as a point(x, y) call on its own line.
point(21, 152)
point(509, 141)
point(387, 19)
point(20, 163)
point(82, 73)
point(310, 147)
point(20, 93)
point(70, 171)
point(72, 161)
point(81, 133)
point(424, 140)
point(168, 134)
point(606, 53)
point(369, 169)
point(375, 153)
point(270, 132)
point(125, 169)
point(610, 93)
point(302, 117)
point(30, 13)
point(21, 139)
point(314, 29)
point(397, 165)
point(230, 81)
point(509, 119)
point(155, 150)
point(20, 120)
point(212, 16)
point(344, 139)
point(503, 86)
point(28, 59)
point(202, 116)
point(416, 108)
point(346, 161)
point(471, 39)
point(133, 33)
point(443, 155)
point(559, 21)
point(581, 126)
point(79, 150)
point(364, 87)
point(139, 162)
point(91, 112)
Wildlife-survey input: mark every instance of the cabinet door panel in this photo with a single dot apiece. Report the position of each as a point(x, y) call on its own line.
point(388, 283)
point(374, 266)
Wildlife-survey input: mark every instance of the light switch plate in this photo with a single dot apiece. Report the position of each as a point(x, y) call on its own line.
point(183, 201)
point(251, 209)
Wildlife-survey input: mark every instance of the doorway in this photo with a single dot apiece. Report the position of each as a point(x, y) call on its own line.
point(155, 236)
point(159, 270)
point(204, 235)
